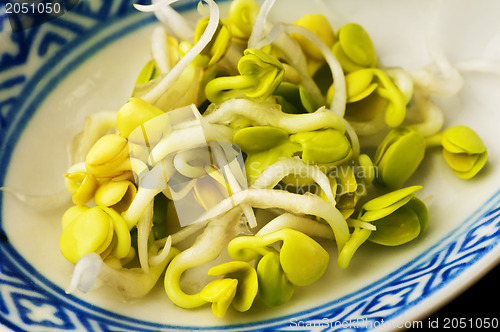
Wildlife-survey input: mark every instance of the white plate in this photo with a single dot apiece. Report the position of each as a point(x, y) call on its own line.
point(54, 75)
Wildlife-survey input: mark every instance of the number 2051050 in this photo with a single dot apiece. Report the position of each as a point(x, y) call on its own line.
point(33, 8)
point(460, 323)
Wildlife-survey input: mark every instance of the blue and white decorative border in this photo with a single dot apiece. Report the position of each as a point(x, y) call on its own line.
point(30, 302)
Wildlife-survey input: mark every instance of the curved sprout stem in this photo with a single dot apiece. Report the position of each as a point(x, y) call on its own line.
point(361, 224)
point(339, 99)
point(232, 182)
point(274, 173)
point(433, 116)
point(359, 236)
point(157, 259)
point(186, 138)
point(270, 114)
point(187, 231)
point(143, 229)
point(302, 224)
point(259, 28)
point(159, 50)
point(155, 93)
point(85, 273)
point(371, 127)
point(353, 136)
point(150, 185)
point(294, 56)
point(133, 283)
point(174, 22)
point(156, 5)
point(96, 126)
point(294, 203)
point(206, 248)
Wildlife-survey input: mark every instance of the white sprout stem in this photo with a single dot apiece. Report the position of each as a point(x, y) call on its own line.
point(235, 187)
point(176, 195)
point(259, 27)
point(368, 128)
point(131, 283)
point(143, 229)
point(85, 273)
point(293, 203)
point(156, 260)
point(174, 22)
point(435, 81)
point(274, 173)
point(433, 116)
point(361, 224)
point(139, 168)
point(96, 126)
point(156, 5)
point(295, 57)
point(139, 205)
point(154, 94)
point(159, 50)
point(302, 224)
point(189, 135)
point(271, 115)
point(206, 248)
point(178, 140)
point(186, 232)
point(403, 81)
point(151, 185)
point(339, 98)
point(353, 136)
point(182, 163)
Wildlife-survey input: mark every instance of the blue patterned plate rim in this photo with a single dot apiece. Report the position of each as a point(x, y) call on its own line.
point(14, 270)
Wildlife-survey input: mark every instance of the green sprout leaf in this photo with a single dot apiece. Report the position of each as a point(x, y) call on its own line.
point(259, 138)
point(354, 49)
point(322, 146)
point(386, 204)
point(108, 157)
point(398, 157)
point(87, 230)
point(399, 217)
point(216, 48)
point(220, 292)
point(302, 259)
point(401, 226)
point(260, 75)
point(238, 286)
point(274, 287)
point(133, 114)
point(464, 151)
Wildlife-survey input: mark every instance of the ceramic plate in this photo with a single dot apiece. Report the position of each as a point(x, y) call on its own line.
point(53, 75)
